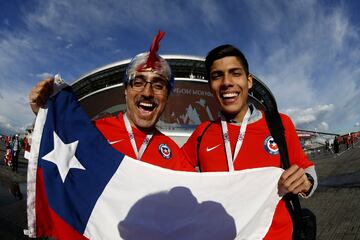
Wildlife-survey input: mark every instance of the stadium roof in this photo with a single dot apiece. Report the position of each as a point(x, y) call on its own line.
point(184, 67)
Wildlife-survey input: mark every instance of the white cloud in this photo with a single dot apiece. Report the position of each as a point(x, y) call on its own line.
point(6, 126)
point(14, 60)
point(60, 17)
point(323, 127)
point(303, 118)
point(340, 28)
point(11, 50)
point(93, 21)
point(44, 75)
point(357, 124)
point(16, 57)
point(15, 113)
point(307, 52)
point(69, 45)
point(312, 59)
point(209, 13)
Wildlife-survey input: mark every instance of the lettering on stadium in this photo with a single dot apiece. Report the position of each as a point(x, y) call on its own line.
point(193, 92)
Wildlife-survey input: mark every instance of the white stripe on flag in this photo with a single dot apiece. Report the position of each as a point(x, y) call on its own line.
point(143, 201)
point(31, 173)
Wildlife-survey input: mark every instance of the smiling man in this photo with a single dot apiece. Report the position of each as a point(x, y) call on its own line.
point(148, 82)
point(240, 138)
point(147, 87)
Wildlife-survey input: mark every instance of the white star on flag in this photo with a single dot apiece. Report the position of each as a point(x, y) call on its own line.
point(63, 155)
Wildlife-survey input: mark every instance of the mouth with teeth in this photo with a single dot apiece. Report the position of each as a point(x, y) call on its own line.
point(229, 97)
point(146, 108)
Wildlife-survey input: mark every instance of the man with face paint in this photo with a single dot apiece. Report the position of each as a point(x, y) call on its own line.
point(148, 82)
point(240, 138)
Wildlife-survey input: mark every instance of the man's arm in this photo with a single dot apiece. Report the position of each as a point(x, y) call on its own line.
point(301, 177)
point(297, 181)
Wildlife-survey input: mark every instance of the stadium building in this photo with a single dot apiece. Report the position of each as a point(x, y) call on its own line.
point(101, 92)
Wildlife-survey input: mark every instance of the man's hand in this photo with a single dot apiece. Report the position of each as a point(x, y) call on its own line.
point(294, 180)
point(40, 94)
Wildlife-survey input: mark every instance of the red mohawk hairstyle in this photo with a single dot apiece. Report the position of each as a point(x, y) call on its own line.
point(151, 62)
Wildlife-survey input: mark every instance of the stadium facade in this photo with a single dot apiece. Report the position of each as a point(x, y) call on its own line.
point(101, 92)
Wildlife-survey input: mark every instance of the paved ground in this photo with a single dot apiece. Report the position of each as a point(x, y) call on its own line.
point(12, 200)
point(336, 203)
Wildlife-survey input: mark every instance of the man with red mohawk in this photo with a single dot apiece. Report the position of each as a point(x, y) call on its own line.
point(148, 82)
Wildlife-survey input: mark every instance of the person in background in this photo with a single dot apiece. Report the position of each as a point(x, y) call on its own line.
point(8, 155)
point(336, 145)
point(15, 149)
point(240, 138)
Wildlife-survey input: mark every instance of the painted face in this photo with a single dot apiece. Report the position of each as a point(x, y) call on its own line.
point(230, 85)
point(145, 99)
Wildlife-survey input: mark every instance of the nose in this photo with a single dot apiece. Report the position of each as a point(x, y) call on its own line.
point(226, 80)
point(148, 90)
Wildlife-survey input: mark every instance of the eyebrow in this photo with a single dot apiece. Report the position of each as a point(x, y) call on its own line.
point(230, 69)
point(236, 69)
point(157, 78)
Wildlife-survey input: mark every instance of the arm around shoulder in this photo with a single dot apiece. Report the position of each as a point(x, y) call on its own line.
point(39, 94)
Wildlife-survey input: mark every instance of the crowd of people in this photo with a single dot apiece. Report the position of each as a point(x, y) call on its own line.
point(13, 144)
point(346, 141)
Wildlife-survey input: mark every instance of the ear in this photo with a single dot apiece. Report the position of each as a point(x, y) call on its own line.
point(250, 81)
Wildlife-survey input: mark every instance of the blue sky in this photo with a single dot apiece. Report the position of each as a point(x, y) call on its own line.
point(307, 52)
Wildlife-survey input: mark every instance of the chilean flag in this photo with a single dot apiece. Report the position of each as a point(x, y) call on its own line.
point(79, 187)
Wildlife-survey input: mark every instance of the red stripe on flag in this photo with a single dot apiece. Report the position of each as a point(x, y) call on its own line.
point(48, 223)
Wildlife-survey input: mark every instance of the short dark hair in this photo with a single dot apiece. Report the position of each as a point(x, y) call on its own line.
point(222, 51)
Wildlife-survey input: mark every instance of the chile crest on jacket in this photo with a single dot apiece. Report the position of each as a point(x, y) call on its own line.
point(270, 146)
point(165, 151)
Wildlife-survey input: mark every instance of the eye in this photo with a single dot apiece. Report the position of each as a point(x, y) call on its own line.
point(138, 82)
point(237, 73)
point(215, 75)
point(159, 85)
